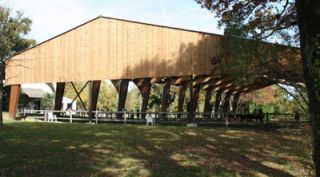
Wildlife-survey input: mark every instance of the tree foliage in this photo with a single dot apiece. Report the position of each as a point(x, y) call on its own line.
point(295, 22)
point(13, 29)
point(133, 100)
point(273, 19)
point(47, 102)
point(107, 97)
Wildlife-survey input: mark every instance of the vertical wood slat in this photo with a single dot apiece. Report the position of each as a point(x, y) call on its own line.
point(129, 50)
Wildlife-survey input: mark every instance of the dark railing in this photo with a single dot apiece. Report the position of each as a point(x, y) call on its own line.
point(182, 117)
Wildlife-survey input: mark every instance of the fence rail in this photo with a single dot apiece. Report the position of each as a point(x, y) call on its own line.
point(182, 117)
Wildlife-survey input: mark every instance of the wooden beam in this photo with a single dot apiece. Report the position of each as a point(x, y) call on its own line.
point(181, 80)
point(78, 94)
point(122, 89)
point(59, 96)
point(116, 84)
point(166, 95)
point(158, 80)
point(144, 87)
point(213, 83)
point(226, 103)
point(222, 86)
point(182, 95)
point(217, 101)
point(194, 99)
point(94, 87)
point(207, 104)
point(193, 103)
point(14, 100)
point(235, 102)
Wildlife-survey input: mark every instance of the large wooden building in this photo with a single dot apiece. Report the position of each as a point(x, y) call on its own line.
point(122, 51)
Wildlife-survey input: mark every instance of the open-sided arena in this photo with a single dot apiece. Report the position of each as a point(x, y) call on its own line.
point(122, 51)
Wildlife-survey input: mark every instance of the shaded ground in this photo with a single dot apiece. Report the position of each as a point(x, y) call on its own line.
point(50, 149)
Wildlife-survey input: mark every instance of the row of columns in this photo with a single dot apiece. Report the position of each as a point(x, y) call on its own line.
point(144, 86)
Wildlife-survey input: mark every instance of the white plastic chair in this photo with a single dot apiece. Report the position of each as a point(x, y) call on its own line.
point(150, 120)
point(52, 117)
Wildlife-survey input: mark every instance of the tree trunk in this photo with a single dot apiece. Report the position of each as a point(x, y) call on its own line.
point(1, 102)
point(309, 26)
point(2, 70)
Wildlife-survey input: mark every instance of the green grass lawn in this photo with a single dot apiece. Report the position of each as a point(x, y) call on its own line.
point(54, 149)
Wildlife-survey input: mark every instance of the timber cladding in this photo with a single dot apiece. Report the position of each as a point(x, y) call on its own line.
point(106, 48)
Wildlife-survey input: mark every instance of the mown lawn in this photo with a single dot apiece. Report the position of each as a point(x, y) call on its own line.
point(54, 149)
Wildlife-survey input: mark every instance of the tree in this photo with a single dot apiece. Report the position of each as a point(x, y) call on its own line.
point(156, 95)
point(12, 39)
point(155, 98)
point(47, 102)
point(133, 100)
point(107, 97)
point(286, 20)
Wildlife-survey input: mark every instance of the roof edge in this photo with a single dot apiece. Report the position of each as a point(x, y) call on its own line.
point(112, 18)
point(125, 20)
point(47, 40)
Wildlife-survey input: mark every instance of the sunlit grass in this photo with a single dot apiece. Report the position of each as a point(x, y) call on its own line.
point(50, 149)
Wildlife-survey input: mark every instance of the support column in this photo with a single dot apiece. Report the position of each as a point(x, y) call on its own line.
point(144, 88)
point(14, 100)
point(59, 96)
point(207, 105)
point(192, 105)
point(182, 95)
point(165, 95)
point(122, 89)
point(235, 102)
point(94, 87)
point(217, 102)
point(194, 99)
point(226, 103)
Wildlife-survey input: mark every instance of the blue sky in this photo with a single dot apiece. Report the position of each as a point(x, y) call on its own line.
point(52, 17)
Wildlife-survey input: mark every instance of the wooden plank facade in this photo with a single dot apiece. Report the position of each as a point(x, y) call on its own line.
point(122, 51)
point(106, 48)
